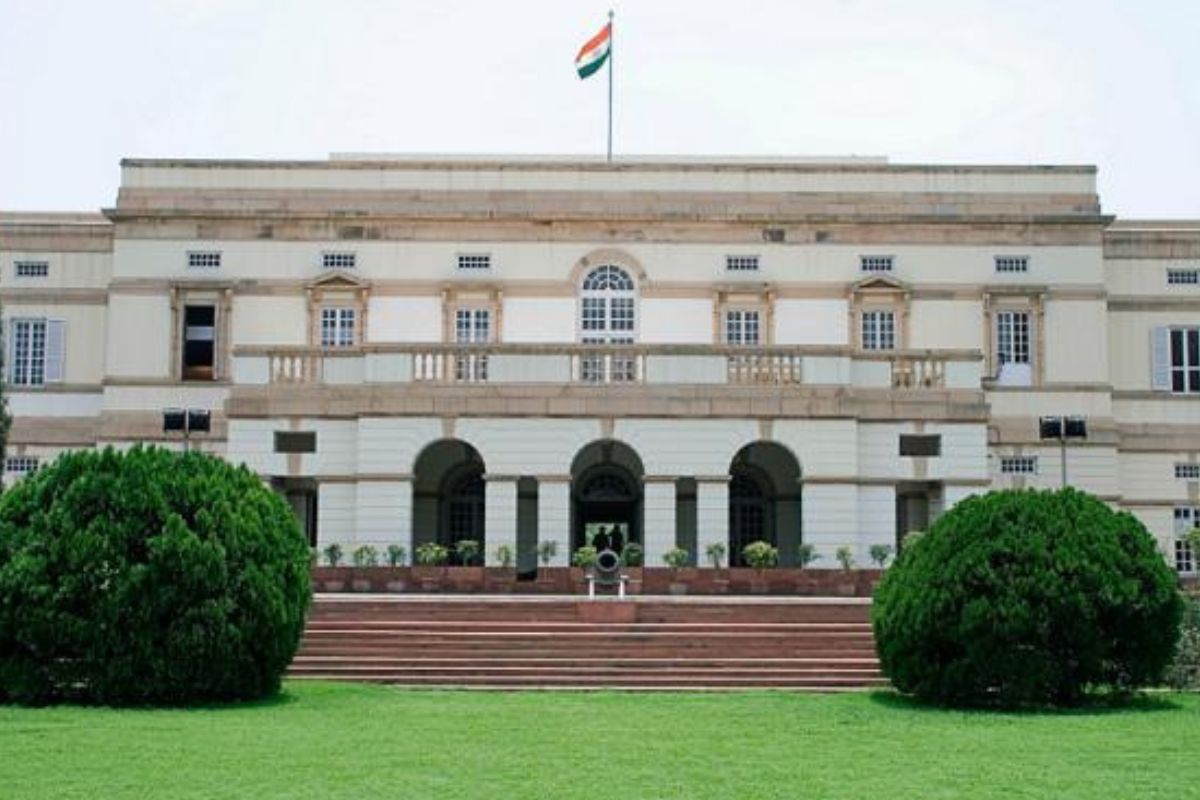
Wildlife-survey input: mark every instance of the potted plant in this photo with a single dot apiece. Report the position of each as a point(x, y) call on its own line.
point(880, 553)
point(845, 557)
point(363, 557)
point(715, 552)
point(678, 560)
point(806, 581)
point(633, 557)
point(806, 554)
point(583, 564)
point(760, 556)
point(546, 551)
point(333, 557)
point(397, 556)
point(430, 559)
point(501, 576)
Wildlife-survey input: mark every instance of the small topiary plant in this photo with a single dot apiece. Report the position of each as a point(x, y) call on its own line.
point(397, 554)
point(760, 555)
point(676, 558)
point(431, 554)
point(469, 552)
point(715, 553)
point(633, 555)
point(147, 577)
point(806, 554)
point(333, 554)
point(546, 551)
point(585, 557)
point(845, 557)
point(365, 556)
point(506, 556)
point(880, 553)
point(1018, 598)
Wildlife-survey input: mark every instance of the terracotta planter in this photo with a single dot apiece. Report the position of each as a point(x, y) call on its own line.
point(499, 580)
point(430, 579)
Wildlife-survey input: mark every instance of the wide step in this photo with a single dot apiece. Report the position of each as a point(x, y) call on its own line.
point(565, 643)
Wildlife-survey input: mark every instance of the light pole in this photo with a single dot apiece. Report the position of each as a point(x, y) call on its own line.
point(186, 421)
point(1063, 428)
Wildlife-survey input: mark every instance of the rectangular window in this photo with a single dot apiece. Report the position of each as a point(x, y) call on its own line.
point(1012, 337)
point(593, 313)
point(337, 327)
point(340, 260)
point(877, 263)
point(204, 259)
point(199, 343)
point(1185, 557)
point(474, 261)
point(742, 328)
point(741, 263)
point(1185, 360)
point(295, 441)
point(878, 330)
point(472, 326)
point(920, 444)
point(20, 465)
point(31, 269)
point(1018, 465)
point(1012, 263)
point(1187, 472)
point(27, 352)
point(1183, 277)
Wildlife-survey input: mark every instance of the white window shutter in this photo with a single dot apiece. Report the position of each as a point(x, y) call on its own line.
point(1160, 355)
point(56, 347)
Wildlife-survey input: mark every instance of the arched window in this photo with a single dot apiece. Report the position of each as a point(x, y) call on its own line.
point(607, 315)
point(607, 310)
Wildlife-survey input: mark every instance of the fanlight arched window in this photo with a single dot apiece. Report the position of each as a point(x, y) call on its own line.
point(608, 315)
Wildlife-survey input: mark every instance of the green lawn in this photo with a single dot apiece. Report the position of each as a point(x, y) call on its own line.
point(340, 741)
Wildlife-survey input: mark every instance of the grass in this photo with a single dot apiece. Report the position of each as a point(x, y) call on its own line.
point(348, 741)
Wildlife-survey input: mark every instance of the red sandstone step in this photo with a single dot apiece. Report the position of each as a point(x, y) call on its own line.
point(633, 681)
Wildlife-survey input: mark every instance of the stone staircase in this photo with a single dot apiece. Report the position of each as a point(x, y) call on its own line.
point(563, 642)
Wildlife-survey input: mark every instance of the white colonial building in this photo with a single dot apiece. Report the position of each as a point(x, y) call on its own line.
point(690, 351)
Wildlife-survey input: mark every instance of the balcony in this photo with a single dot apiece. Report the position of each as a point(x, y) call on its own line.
point(609, 365)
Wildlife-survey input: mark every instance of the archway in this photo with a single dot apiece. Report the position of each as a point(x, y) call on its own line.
point(606, 494)
point(764, 500)
point(448, 495)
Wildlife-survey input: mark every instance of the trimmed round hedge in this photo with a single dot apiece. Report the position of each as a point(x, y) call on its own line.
point(147, 577)
point(1018, 598)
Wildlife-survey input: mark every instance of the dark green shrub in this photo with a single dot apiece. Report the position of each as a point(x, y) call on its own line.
point(1184, 672)
point(633, 555)
point(147, 577)
point(1027, 598)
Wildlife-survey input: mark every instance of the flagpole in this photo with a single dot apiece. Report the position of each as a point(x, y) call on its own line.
point(611, 55)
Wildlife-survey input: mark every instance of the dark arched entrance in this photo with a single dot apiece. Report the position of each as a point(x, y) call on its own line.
point(606, 494)
point(448, 495)
point(764, 501)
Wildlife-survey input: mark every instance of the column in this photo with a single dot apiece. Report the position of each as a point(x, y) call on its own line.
point(554, 516)
point(658, 536)
point(384, 511)
point(830, 514)
point(712, 516)
point(499, 516)
point(335, 515)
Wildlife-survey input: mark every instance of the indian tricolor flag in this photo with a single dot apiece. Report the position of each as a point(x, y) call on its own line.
point(593, 54)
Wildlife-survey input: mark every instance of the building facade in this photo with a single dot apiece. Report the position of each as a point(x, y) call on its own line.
point(679, 352)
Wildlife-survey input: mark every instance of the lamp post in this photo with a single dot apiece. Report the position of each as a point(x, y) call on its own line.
point(186, 421)
point(1063, 428)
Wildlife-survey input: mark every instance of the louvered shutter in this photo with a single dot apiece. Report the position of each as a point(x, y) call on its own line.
point(1160, 357)
point(56, 347)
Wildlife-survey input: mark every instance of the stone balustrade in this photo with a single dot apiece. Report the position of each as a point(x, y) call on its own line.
point(587, 364)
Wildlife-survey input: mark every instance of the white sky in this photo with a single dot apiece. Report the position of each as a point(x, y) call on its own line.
point(1109, 82)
